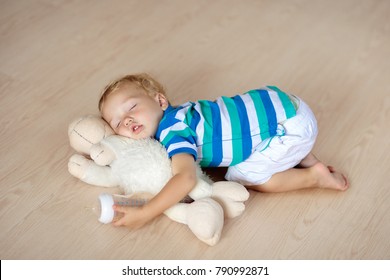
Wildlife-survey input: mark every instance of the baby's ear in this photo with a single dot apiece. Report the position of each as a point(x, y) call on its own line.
point(162, 100)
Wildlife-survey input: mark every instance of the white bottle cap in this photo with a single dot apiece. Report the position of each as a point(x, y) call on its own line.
point(106, 203)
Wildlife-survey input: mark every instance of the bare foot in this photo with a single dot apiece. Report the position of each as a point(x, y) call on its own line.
point(329, 178)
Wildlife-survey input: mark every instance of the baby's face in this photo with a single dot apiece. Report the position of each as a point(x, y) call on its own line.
point(131, 112)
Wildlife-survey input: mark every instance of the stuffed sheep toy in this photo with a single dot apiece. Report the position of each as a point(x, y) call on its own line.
point(143, 166)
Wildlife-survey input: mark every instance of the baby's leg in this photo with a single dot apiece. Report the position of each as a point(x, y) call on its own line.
point(316, 176)
point(308, 161)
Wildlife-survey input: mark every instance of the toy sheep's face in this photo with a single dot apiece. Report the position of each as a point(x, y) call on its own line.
point(87, 131)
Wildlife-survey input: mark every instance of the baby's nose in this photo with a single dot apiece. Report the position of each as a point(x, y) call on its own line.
point(128, 121)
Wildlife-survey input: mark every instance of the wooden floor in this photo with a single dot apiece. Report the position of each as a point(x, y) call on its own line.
point(57, 55)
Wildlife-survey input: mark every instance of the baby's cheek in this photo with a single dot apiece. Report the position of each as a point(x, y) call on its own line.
point(123, 132)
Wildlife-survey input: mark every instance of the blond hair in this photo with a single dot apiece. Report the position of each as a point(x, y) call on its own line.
point(141, 80)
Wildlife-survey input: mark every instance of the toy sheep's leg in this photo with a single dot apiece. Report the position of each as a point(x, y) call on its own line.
point(91, 173)
point(178, 213)
point(232, 190)
point(231, 196)
point(204, 217)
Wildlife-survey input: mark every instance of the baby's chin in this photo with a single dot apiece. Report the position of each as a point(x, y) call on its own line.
point(141, 136)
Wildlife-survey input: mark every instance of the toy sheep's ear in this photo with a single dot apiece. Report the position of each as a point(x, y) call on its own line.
point(108, 130)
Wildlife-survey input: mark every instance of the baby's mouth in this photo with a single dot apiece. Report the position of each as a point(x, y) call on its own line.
point(136, 129)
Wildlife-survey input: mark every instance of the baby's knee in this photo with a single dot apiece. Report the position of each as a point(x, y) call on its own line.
point(265, 188)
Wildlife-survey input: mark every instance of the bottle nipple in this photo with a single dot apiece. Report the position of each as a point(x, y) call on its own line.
point(95, 209)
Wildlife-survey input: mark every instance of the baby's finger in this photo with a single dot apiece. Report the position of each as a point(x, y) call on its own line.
point(120, 209)
point(119, 223)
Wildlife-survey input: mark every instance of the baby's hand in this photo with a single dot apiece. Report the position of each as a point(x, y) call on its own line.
point(133, 218)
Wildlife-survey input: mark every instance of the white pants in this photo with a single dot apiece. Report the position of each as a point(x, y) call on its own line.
point(279, 153)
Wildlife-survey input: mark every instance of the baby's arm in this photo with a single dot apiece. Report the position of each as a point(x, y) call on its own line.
point(183, 181)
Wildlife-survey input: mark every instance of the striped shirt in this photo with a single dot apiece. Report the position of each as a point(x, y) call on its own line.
point(224, 132)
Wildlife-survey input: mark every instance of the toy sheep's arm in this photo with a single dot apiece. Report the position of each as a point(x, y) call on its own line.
point(89, 172)
point(230, 195)
point(102, 154)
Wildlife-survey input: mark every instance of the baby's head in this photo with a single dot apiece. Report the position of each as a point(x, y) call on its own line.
point(143, 81)
point(134, 105)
